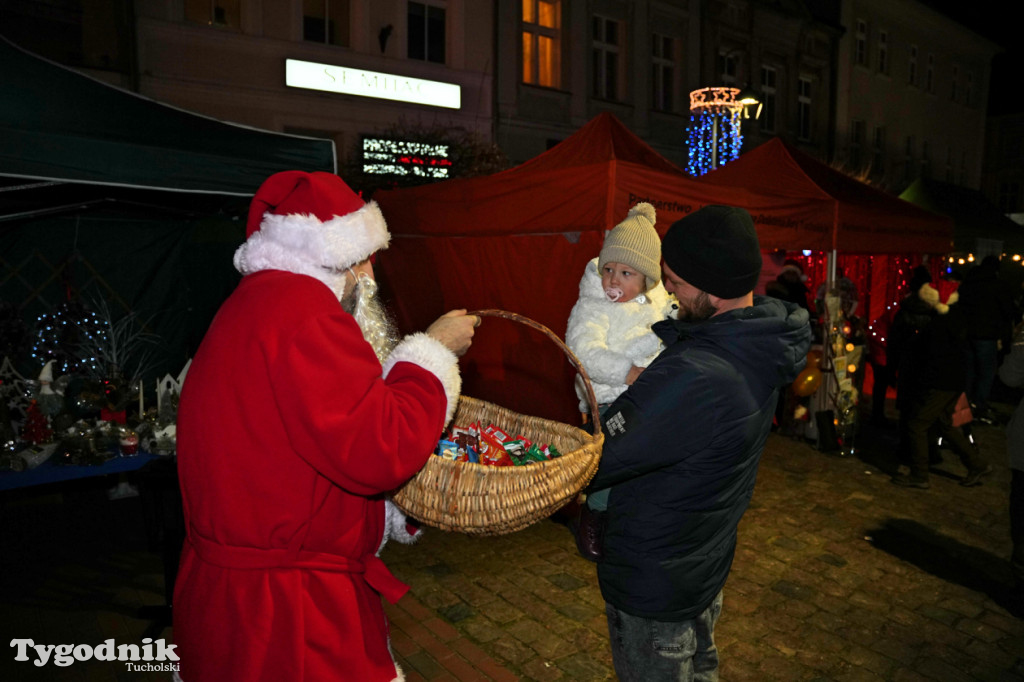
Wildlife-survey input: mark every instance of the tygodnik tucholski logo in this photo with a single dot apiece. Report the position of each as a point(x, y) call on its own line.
point(150, 656)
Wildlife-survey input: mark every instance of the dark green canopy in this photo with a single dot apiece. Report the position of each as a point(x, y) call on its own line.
point(106, 196)
point(56, 124)
point(974, 217)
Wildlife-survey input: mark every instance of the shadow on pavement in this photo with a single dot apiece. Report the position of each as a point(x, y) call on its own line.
point(950, 560)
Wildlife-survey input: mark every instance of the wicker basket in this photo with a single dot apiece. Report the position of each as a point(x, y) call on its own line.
point(488, 500)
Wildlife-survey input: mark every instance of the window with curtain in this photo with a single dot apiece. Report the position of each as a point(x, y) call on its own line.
point(769, 79)
point(326, 21)
point(883, 52)
point(860, 43)
point(605, 36)
point(856, 144)
point(803, 109)
point(225, 13)
point(727, 68)
point(542, 42)
point(426, 31)
point(663, 72)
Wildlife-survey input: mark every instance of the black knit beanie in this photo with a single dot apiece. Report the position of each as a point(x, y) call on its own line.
point(715, 250)
point(918, 279)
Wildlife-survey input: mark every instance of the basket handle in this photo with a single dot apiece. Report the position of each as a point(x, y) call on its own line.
point(573, 360)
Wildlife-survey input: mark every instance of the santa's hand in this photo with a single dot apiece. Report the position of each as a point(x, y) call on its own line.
point(455, 330)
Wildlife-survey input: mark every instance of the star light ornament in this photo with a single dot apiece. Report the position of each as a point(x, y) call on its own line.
point(714, 136)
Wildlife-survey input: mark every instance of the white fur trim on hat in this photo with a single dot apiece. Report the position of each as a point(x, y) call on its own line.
point(930, 295)
point(304, 245)
point(433, 356)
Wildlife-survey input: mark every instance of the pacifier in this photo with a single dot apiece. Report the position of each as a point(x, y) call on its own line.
point(613, 294)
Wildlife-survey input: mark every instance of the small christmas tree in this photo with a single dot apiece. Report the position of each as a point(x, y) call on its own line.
point(36, 429)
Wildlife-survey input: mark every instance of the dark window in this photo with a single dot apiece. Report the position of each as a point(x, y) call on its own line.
point(426, 32)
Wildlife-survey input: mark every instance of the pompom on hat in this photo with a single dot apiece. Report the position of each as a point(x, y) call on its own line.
point(634, 242)
point(716, 250)
point(309, 223)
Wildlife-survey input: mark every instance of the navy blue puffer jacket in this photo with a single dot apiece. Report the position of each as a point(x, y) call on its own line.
point(681, 453)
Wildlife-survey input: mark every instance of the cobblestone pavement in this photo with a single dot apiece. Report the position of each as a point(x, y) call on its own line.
point(839, 575)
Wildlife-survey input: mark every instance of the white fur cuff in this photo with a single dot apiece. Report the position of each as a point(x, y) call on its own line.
point(436, 358)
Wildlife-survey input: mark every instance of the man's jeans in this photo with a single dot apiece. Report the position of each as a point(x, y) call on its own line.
point(982, 364)
point(650, 651)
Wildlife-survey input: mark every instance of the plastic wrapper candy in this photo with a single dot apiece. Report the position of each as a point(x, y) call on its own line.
point(491, 446)
point(450, 450)
point(493, 453)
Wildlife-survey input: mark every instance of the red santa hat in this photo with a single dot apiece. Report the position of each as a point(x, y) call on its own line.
point(309, 223)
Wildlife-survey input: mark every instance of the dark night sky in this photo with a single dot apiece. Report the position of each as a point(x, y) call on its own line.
point(991, 19)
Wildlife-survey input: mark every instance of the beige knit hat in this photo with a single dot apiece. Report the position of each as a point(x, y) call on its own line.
point(635, 243)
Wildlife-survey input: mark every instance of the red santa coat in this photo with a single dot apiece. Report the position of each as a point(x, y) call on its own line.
point(289, 434)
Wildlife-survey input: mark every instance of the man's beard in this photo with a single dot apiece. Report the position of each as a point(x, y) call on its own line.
point(697, 309)
point(377, 326)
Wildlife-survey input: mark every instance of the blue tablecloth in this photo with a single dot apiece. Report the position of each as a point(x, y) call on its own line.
point(51, 472)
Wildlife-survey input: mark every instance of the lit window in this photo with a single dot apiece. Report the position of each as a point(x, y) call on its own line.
point(426, 31)
point(542, 42)
point(663, 72)
point(325, 21)
point(605, 52)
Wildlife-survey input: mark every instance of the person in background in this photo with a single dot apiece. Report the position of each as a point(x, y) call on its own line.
point(790, 285)
point(683, 444)
point(1011, 373)
point(932, 377)
point(989, 313)
point(609, 331)
point(290, 433)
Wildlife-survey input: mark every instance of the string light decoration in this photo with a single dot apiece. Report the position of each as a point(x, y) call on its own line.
point(403, 157)
point(715, 137)
point(61, 335)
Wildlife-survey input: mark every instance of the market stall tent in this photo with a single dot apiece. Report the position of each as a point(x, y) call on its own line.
point(519, 240)
point(862, 225)
point(978, 226)
point(107, 194)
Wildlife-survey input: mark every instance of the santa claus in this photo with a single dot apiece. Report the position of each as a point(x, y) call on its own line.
point(291, 432)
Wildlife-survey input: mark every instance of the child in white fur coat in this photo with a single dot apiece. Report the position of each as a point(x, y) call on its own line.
point(609, 328)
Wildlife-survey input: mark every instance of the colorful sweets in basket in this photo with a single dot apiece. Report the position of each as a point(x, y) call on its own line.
point(491, 446)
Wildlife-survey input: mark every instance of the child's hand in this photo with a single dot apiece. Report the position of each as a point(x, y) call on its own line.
point(633, 374)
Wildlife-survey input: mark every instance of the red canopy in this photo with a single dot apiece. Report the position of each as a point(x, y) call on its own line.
point(519, 240)
point(852, 216)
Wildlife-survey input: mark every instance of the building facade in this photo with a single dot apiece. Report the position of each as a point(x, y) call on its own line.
point(912, 94)
point(560, 62)
point(893, 89)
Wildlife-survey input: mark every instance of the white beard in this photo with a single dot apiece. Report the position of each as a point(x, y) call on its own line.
point(371, 316)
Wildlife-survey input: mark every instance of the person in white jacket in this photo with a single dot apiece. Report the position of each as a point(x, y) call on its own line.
point(609, 328)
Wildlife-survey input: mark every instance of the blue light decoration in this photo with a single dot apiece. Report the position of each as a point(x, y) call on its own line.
point(64, 335)
point(714, 135)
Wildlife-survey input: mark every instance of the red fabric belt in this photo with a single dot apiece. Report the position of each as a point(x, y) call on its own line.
point(370, 566)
